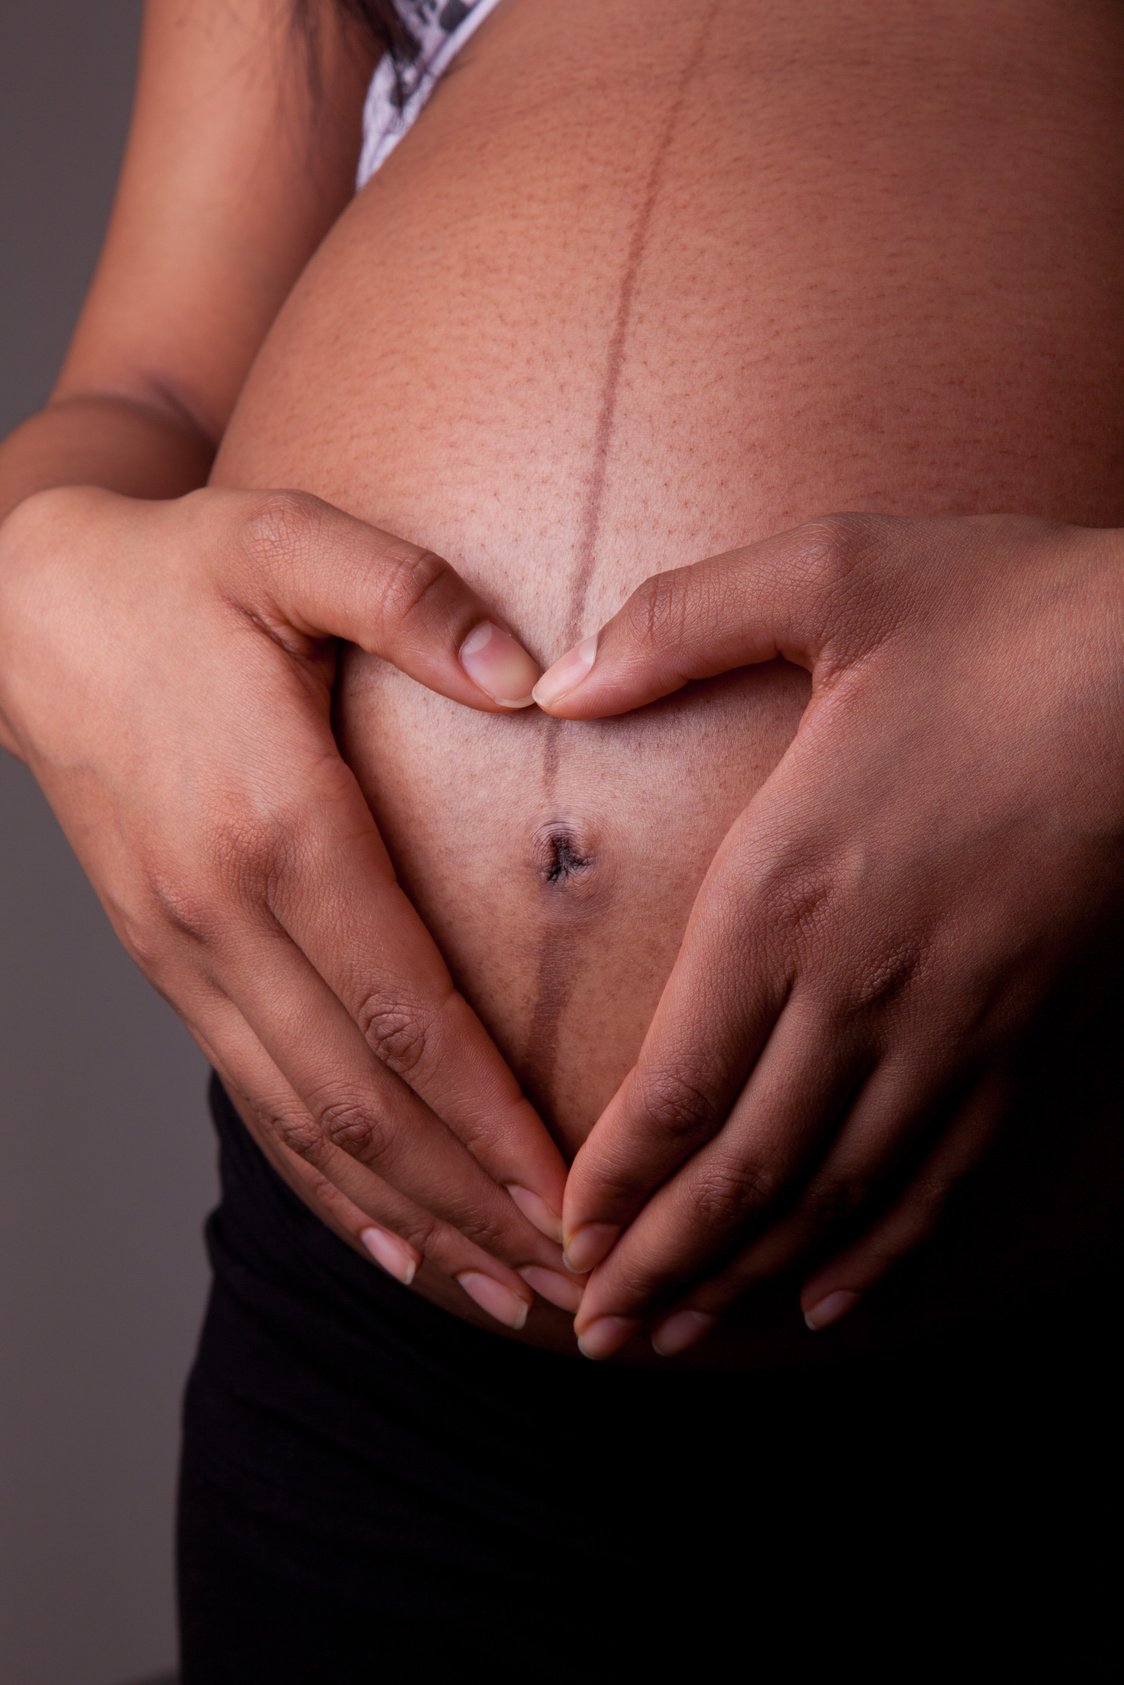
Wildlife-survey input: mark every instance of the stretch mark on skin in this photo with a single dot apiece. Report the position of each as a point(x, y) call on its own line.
point(556, 956)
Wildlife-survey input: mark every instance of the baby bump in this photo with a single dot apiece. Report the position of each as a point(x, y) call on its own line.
point(571, 339)
point(556, 861)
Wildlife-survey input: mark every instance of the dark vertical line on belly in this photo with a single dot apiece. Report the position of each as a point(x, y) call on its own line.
point(557, 946)
point(614, 362)
point(552, 990)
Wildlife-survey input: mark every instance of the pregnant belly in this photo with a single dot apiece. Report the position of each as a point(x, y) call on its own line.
point(605, 314)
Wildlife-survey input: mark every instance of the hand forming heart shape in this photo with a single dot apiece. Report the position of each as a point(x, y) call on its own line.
point(925, 894)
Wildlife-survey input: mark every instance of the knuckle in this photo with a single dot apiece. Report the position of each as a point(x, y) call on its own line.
point(140, 936)
point(834, 1201)
point(486, 1231)
point(730, 1193)
point(636, 1279)
point(425, 1234)
point(175, 906)
point(277, 524)
point(250, 852)
point(655, 613)
point(876, 980)
point(322, 1190)
point(294, 1128)
point(398, 1035)
point(616, 1184)
point(930, 1198)
point(349, 1123)
point(832, 546)
point(833, 566)
point(677, 1107)
point(795, 901)
point(411, 578)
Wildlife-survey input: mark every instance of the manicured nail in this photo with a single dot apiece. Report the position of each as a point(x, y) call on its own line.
point(567, 673)
point(393, 1254)
point(681, 1331)
point(492, 1296)
point(560, 1290)
point(607, 1335)
point(537, 1211)
point(499, 665)
point(588, 1245)
point(831, 1308)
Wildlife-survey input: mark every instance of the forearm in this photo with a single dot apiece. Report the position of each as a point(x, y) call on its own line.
point(124, 444)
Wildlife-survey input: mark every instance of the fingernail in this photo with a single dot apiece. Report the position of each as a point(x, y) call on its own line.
point(492, 1296)
point(567, 673)
point(607, 1335)
point(588, 1245)
point(537, 1211)
point(560, 1290)
point(680, 1331)
point(499, 665)
point(393, 1254)
point(831, 1308)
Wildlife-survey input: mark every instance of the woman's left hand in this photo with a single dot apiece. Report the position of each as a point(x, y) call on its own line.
point(933, 868)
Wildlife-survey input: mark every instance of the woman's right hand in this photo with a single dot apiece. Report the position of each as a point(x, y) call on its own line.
point(167, 674)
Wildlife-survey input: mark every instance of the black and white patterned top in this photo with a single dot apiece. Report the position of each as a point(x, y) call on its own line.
point(399, 88)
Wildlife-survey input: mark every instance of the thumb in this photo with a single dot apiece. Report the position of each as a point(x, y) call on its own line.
point(312, 568)
point(779, 597)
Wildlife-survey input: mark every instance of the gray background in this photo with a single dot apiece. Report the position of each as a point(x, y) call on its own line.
point(108, 1156)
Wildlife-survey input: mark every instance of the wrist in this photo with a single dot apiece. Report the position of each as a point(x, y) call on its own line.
point(121, 444)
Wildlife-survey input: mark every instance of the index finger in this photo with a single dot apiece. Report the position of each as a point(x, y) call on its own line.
point(725, 992)
point(339, 901)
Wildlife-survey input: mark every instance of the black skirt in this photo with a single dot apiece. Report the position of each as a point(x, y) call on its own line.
point(368, 1483)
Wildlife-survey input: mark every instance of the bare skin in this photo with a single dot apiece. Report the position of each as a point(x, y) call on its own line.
point(768, 325)
point(903, 963)
point(205, 796)
point(594, 319)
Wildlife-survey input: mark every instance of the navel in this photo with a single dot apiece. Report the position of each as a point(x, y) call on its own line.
point(561, 855)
